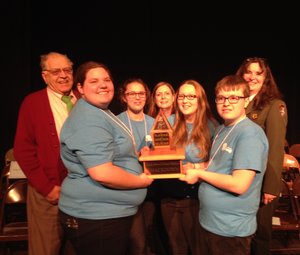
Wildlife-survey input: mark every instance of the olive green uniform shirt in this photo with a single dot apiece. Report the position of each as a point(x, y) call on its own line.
point(273, 119)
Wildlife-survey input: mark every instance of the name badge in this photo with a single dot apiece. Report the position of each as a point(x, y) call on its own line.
point(148, 138)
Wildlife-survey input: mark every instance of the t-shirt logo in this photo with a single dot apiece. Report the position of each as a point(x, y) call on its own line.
point(225, 147)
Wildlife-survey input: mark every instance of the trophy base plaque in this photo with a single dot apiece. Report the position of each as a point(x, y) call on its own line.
point(163, 163)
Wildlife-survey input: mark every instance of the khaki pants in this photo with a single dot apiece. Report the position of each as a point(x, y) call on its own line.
point(44, 233)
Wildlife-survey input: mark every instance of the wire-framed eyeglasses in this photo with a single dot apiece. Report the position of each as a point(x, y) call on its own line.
point(56, 72)
point(189, 97)
point(231, 99)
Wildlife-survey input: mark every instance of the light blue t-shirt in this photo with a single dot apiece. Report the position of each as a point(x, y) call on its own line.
point(191, 150)
point(89, 137)
point(140, 129)
point(178, 189)
point(222, 212)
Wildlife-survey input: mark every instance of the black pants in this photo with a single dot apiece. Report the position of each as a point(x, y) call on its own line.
point(212, 244)
point(94, 237)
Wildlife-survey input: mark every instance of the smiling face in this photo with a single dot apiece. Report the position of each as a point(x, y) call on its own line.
point(58, 73)
point(187, 101)
point(98, 88)
point(255, 77)
point(135, 96)
point(164, 97)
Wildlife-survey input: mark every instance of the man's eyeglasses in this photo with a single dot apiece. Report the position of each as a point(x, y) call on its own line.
point(231, 99)
point(141, 94)
point(56, 72)
point(189, 97)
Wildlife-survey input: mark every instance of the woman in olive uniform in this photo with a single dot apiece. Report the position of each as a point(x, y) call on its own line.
point(268, 110)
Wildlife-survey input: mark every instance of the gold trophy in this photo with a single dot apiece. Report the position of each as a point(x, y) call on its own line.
point(162, 161)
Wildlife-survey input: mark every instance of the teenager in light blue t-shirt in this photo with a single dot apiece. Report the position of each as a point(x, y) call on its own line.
point(230, 185)
point(134, 95)
point(105, 183)
point(193, 127)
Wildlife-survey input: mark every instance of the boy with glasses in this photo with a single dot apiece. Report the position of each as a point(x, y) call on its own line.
point(229, 190)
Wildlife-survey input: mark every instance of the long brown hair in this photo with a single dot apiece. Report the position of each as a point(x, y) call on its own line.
point(269, 90)
point(153, 108)
point(200, 134)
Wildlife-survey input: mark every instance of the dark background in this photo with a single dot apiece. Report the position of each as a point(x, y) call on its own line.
point(154, 40)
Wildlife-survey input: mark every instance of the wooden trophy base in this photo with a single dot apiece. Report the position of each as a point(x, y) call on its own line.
point(163, 163)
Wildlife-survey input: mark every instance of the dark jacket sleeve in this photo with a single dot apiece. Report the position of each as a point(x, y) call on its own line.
point(275, 129)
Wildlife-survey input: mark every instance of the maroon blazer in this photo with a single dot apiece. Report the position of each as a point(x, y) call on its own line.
point(36, 144)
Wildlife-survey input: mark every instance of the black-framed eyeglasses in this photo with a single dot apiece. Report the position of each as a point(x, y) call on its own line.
point(189, 97)
point(231, 99)
point(56, 72)
point(132, 94)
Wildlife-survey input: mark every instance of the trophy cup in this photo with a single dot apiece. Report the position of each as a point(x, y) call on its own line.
point(162, 161)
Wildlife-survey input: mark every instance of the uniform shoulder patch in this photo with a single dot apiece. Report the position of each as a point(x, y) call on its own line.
point(254, 116)
point(282, 109)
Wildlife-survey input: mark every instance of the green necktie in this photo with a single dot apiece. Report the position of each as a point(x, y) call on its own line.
point(68, 102)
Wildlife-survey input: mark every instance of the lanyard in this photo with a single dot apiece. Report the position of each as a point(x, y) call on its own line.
point(119, 123)
point(131, 130)
point(213, 156)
